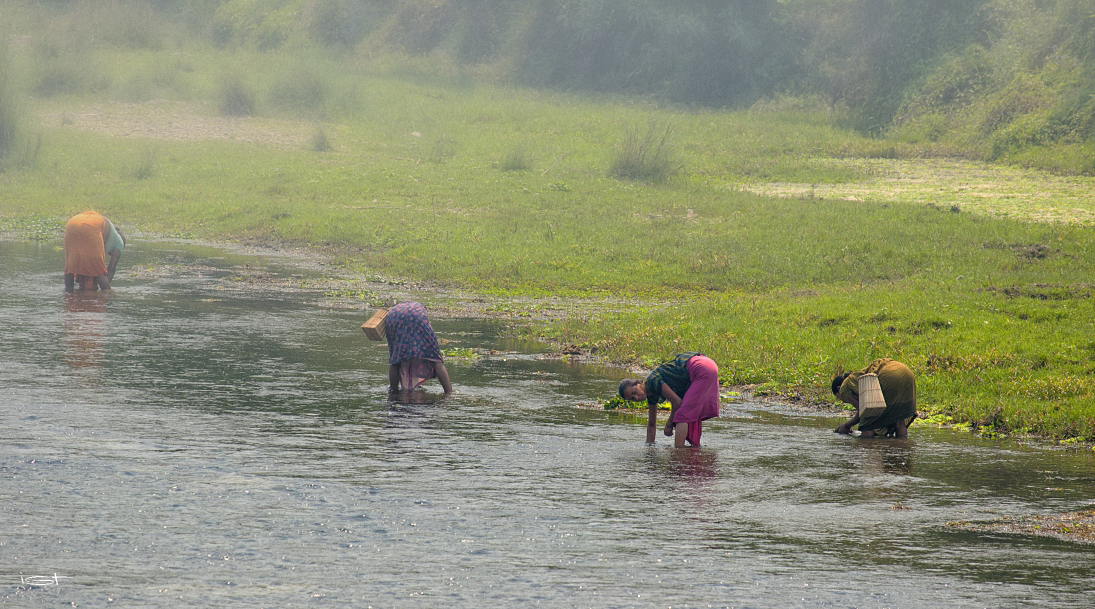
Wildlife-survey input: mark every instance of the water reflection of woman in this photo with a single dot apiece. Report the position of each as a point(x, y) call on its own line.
point(899, 390)
point(695, 465)
point(691, 385)
point(698, 468)
point(414, 355)
point(85, 316)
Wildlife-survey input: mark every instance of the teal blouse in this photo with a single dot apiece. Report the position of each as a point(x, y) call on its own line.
point(674, 374)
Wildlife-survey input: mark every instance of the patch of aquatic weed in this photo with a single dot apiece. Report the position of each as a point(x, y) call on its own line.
point(33, 228)
point(1074, 527)
point(949, 184)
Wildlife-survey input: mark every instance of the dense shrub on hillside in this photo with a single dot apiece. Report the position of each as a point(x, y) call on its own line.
point(234, 97)
point(717, 53)
point(270, 24)
point(1026, 95)
point(870, 54)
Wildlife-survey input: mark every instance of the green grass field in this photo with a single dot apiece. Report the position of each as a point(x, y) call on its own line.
point(858, 250)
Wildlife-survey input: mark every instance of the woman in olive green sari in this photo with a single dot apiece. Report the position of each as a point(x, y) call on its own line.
point(898, 389)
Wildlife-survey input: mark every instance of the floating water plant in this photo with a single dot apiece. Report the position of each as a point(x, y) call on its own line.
point(460, 353)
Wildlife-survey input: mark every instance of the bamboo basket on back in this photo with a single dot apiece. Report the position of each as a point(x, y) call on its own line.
point(374, 328)
point(871, 400)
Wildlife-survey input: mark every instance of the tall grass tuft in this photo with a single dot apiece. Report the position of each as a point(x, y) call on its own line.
point(320, 141)
point(234, 97)
point(519, 158)
point(10, 113)
point(70, 75)
point(31, 147)
point(443, 148)
point(645, 158)
point(299, 92)
point(146, 163)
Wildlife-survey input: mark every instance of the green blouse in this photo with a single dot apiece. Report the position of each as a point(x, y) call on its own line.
point(113, 240)
point(674, 373)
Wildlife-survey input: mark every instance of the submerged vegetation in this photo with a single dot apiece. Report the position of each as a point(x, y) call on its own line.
point(808, 233)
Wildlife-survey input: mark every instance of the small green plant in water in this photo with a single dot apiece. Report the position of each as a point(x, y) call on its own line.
point(349, 293)
point(34, 228)
point(460, 353)
point(938, 419)
point(617, 403)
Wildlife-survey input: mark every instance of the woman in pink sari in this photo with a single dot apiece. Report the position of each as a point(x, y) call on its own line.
point(691, 385)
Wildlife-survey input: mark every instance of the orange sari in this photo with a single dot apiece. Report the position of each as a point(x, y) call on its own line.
point(85, 239)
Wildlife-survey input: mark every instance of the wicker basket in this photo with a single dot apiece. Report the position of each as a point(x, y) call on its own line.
point(871, 400)
point(374, 328)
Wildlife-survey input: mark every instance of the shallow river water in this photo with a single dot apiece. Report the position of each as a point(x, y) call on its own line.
point(178, 442)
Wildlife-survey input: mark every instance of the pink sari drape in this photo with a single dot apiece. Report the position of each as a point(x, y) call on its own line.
point(701, 401)
point(415, 371)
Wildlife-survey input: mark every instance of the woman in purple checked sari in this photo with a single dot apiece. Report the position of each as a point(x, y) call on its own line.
point(414, 356)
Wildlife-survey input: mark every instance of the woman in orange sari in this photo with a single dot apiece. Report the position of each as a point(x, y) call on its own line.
point(89, 239)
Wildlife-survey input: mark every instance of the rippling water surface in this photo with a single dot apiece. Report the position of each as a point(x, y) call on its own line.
point(178, 442)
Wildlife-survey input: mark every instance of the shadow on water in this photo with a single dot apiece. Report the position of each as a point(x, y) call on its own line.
point(209, 434)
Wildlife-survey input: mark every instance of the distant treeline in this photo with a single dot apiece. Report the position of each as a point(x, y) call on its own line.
point(711, 52)
point(989, 76)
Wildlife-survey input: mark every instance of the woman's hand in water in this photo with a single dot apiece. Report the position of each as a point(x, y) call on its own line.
point(843, 428)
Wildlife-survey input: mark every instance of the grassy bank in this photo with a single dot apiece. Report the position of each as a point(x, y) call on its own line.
point(511, 192)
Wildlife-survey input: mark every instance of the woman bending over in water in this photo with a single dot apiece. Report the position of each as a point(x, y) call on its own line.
point(414, 356)
point(899, 390)
point(691, 385)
